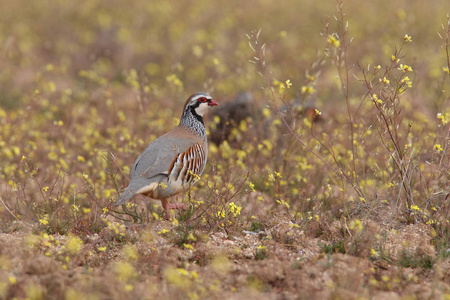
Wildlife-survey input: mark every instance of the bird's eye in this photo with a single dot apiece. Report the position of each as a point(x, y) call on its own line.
point(203, 99)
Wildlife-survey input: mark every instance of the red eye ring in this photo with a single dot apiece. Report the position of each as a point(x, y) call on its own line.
point(202, 99)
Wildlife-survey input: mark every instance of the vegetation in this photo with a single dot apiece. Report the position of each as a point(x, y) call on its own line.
point(349, 201)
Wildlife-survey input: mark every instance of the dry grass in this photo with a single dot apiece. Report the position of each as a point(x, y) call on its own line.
point(337, 186)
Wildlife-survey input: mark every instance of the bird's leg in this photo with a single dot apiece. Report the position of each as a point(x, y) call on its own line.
point(166, 207)
point(177, 206)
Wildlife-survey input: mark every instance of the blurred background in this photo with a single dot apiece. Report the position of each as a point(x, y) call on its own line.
point(180, 47)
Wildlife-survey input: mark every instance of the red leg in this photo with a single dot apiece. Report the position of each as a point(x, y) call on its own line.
point(177, 206)
point(166, 207)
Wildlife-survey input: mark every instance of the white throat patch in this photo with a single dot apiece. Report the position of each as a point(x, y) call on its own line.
point(201, 109)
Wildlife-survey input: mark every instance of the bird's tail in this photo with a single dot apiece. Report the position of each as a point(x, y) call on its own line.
point(126, 195)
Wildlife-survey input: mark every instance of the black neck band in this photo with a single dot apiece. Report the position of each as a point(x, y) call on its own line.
point(194, 113)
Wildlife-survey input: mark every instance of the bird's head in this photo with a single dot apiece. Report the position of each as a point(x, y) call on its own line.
point(199, 103)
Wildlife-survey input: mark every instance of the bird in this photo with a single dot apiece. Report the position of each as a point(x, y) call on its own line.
point(174, 160)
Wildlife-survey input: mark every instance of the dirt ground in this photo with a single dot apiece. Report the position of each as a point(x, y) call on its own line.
point(148, 264)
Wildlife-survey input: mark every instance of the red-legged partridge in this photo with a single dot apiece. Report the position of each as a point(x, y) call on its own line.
point(167, 165)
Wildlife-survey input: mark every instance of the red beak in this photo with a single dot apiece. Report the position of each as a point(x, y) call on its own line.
point(213, 103)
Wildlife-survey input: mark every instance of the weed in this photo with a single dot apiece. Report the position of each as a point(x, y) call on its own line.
point(336, 247)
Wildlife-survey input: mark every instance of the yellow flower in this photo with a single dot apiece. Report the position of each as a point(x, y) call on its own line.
point(221, 214)
point(385, 80)
point(282, 86)
point(131, 252)
point(121, 116)
point(52, 156)
point(174, 80)
point(124, 271)
point(236, 210)
point(394, 59)
point(261, 247)
point(251, 186)
point(406, 81)
point(415, 207)
point(333, 41)
point(374, 253)
point(405, 68)
point(128, 288)
point(284, 203)
point(33, 291)
point(188, 246)
point(375, 99)
point(271, 177)
point(49, 67)
point(191, 237)
point(438, 147)
point(74, 244)
point(444, 119)
point(308, 90)
point(407, 38)
point(446, 70)
point(356, 224)
point(288, 83)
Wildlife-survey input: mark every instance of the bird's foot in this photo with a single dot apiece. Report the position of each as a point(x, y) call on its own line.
point(176, 206)
point(167, 207)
